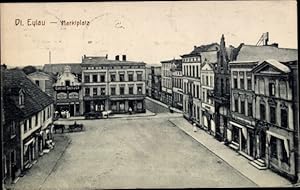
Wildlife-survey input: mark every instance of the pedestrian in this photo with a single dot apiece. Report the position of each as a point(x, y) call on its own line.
point(130, 110)
point(194, 127)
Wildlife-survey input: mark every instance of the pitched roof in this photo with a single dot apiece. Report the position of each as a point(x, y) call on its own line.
point(210, 56)
point(35, 99)
point(59, 68)
point(261, 53)
point(206, 48)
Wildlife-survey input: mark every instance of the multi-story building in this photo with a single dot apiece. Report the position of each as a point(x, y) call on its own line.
point(115, 85)
point(177, 85)
point(207, 88)
point(44, 81)
point(154, 81)
point(262, 125)
point(191, 67)
point(28, 120)
point(221, 95)
point(67, 92)
point(166, 81)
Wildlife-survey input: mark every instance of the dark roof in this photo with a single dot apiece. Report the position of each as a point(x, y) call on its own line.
point(203, 48)
point(91, 61)
point(59, 68)
point(261, 53)
point(35, 99)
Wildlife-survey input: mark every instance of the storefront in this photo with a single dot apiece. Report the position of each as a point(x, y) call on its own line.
point(118, 105)
point(29, 151)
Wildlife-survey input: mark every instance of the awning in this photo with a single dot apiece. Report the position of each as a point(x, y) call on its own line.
point(244, 129)
point(285, 141)
point(27, 144)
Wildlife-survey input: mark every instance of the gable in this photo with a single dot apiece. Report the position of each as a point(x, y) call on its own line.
point(207, 66)
point(270, 69)
point(39, 75)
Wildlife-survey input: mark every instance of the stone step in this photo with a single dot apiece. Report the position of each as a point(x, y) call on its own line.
point(261, 160)
point(253, 163)
point(233, 146)
point(260, 163)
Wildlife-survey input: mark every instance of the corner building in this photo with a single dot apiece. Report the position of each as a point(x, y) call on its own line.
point(115, 85)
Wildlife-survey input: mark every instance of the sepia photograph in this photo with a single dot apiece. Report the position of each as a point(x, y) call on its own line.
point(149, 95)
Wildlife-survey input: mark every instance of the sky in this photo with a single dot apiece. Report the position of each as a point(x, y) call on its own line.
point(144, 31)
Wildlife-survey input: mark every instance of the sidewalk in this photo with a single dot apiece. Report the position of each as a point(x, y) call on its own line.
point(263, 178)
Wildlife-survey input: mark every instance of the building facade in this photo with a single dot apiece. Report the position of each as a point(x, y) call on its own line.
point(154, 82)
point(28, 114)
point(67, 93)
point(166, 82)
point(177, 86)
point(116, 85)
point(44, 81)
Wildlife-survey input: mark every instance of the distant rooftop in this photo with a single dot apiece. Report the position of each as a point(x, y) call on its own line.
point(59, 68)
point(92, 60)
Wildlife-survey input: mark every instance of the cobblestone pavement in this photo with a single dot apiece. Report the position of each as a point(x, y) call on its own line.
point(145, 152)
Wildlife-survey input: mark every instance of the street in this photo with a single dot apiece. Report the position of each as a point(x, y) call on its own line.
point(147, 152)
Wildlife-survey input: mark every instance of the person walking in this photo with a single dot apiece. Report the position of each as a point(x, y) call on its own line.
point(130, 110)
point(194, 127)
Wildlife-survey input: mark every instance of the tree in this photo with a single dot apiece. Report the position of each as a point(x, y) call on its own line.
point(29, 69)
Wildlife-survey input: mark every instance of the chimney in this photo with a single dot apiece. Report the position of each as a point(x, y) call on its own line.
point(117, 57)
point(106, 56)
point(274, 45)
point(124, 57)
point(195, 47)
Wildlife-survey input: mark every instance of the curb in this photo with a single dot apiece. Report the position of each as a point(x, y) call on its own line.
point(214, 153)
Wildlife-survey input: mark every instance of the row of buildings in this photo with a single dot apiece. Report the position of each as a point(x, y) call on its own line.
point(27, 116)
point(246, 97)
point(30, 103)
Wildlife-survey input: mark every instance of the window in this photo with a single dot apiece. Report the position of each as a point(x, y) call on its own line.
point(95, 78)
point(36, 119)
point(112, 77)
point(21, 99)
point(44, 115)
point(242, 85)
point(140, 90)
point(122, 90)
point(102, 78)
point(193, 71)
point(130, 90)
point(67, 82)
point(37, 82)
point(95, 91)
point(139, 77)
point(13, 129)
point(25, 126)
point(87, 91)
point(242, 106)
point(197, 71)
point(206, 80)
point(273, 144)
point(272, 89)
point(261, 86)
point(262, 111)
point(86, 78)
point(235, 84)
point(284, 118)
point(249, 83)
point(122, 78)
point(236, 104)
point(102, 91)
point(113, 91)
point(282, 88)
point(130, 77)
point(273, 114)
point(284, 157)
point(250, 111)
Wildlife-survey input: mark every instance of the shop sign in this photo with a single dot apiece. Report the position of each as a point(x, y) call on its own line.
point(61, 95)
point(65, 88)
point(73, 95)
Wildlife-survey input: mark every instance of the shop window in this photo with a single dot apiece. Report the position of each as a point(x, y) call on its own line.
point(95, 78)
point(235, 134)
point(87, 91)
point(262, 111)
point(244, 144)
point(271, 89)
point(284, 156)
point(284, 118)
point(273, 114)
point(273, 145)
point(113, 91)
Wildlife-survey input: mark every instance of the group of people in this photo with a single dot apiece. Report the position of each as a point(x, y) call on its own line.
point(62, 114)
